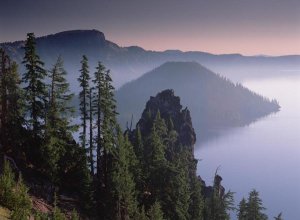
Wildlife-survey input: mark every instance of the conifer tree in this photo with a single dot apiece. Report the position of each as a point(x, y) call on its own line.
point(155, 212)
point(196, 204)
point(142, 214)
point(11, 114)
point(14, 194)
point(155, 149)
point(156, 165)
point(91, 147)
point(109, 114)
point(98, 105)
point(3, 92)
point(58, 128)
point(35, 89)
point(255, 207)
point(83, 95)
point(105, 112)
point(219, 204)
point(139, 175)
point(242, 210)
point(123, 179)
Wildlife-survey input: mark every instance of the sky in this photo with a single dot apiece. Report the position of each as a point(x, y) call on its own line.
point(249, 27)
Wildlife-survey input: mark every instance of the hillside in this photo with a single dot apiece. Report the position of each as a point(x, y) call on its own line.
point(128, 63)
point(214, 101)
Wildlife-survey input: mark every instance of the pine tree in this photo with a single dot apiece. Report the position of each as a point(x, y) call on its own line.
point(35, 89)
point(196, 204)
point(57, 213)
point(14, 194)
point(155, 149)
point(91, 147)
point(155, 212)
point(3, 93)
point(255, 207)
point(58, 128)
point(109, 114)
point(123, 179)
point(106, 124)
point(11, 114)
point(15, 95)
point(142, 214)
point(219, 204)
point(99, 105)
point(140, 164)
point(83, 95)
point(242, 210)
point(156, 165)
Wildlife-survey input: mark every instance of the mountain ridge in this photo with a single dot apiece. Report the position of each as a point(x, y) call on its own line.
point(128, 63)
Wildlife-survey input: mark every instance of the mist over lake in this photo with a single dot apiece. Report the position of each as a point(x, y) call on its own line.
point(265, 154)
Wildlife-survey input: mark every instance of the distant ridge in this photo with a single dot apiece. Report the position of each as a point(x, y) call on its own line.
point(128, 63)
point(214, 101)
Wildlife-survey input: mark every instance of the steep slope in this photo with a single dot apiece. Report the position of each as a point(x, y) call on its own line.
point(214, 101)
point(128, 63)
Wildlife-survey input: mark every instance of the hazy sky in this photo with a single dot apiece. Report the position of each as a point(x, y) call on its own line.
point(218, 26)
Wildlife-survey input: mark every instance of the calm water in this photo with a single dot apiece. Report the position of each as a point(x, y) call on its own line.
point(264, 155)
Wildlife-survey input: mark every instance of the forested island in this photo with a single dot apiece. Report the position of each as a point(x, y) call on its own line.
point(147, 171)
point(214, 101)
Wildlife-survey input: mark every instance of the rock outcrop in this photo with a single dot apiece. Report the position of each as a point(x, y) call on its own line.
point(170, 109)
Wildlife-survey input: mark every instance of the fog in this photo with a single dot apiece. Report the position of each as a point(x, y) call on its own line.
point(264, 155)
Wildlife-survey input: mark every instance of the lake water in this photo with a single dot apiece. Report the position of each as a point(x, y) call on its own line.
point(264, 155)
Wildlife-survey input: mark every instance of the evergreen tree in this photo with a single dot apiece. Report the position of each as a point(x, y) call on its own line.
point(155, 212)
point(179, 193)
point(58, 128)
point(123, 179)
point(196, 204)
point(219, 204)
point(5, 62)
point(139, 166)
point(14, 194)
point(242, 210)
point(255, 207)
point(83, 95)
point(105, 112)
point(35, 89)
point(91, 147)
point(142, 214)
point(57, 214)
point(156, 166)
point(11, 114)
point(109, 115)
point(99, 105)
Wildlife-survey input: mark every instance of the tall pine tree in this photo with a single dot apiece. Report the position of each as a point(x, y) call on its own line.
point(58, 128)
point(98, 106)
point(35, 87)
point(11, 106)
point(84, 95)
point(123, 179)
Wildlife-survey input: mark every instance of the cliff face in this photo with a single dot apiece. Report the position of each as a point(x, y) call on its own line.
point(171, 111)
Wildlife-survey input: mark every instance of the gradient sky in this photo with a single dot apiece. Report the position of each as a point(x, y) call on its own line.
point(249, 27)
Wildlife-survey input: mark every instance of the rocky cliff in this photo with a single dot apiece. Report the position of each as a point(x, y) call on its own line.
point(171, 111)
